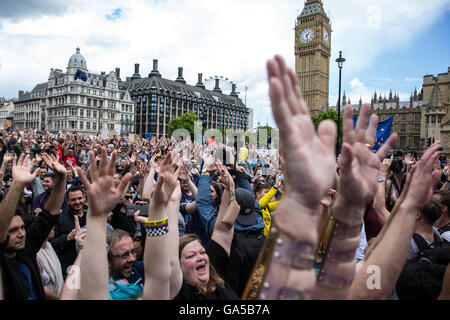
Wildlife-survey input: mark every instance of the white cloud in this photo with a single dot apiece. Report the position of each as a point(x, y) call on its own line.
point(230, 38)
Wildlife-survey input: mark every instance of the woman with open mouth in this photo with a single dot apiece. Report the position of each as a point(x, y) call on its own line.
point(182, 268)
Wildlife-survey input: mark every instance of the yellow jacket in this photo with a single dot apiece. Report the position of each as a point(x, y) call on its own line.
point(267, 207)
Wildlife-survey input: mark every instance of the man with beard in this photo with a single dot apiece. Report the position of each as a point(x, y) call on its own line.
point(18, 247)
point(64, 240)
point(126, 274)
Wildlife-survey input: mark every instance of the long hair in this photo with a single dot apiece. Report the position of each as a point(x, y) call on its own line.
point(214, 278)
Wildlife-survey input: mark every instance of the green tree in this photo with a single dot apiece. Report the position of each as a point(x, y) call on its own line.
point(268, 133)
point(186, 121)
point(329, 114)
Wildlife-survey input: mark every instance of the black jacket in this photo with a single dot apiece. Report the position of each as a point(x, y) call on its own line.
point(13, 281)
point(66, 250)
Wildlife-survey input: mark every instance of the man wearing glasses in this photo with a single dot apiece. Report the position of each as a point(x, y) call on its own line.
point(126, 274)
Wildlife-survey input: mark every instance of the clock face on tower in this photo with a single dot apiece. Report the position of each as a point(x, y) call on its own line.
point(326, 37)
point(307, 35)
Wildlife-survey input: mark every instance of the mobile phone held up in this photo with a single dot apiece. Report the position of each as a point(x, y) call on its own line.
point(132, 208)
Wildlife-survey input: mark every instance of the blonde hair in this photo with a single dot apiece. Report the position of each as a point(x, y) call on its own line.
point(214, 278)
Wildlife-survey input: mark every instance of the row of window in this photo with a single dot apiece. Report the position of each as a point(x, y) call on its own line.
point(172, 101)
point(81, 125)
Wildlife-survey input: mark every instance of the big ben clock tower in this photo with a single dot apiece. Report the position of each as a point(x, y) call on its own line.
point(312, 54)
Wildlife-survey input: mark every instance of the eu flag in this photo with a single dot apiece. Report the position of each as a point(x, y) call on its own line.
point(80, 75)
point(383, 131)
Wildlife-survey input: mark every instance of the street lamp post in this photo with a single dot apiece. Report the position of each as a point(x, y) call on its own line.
point(340, 62)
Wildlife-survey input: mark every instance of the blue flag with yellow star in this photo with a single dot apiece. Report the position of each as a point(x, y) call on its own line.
point(383, 131)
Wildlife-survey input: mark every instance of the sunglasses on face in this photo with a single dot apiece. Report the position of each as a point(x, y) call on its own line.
point(125, 255)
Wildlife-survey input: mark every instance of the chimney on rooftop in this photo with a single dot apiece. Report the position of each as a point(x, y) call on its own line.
point(155, 72)
point(136, 74)
point(180, 75)
point(200, 81)
point(217, 88)
point(233, 90)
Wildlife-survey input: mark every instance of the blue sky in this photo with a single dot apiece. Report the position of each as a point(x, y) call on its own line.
point(402, 68)
point(388, 44)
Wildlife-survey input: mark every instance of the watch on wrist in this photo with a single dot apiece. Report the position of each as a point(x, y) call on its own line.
point(381, 179)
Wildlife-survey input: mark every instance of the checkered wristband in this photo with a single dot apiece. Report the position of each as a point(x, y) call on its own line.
point(156, 231)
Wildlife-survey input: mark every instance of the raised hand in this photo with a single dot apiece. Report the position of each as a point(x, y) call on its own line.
point(133, 157)
point(80, 234)
point(385, 165)
point(21, 171)
point(53, 164)
point(8, 157)
point(103, 196)
point(409, 159)
point(208, 161)
point(225, 177)
point(308, 157)
point(167, 181)
point(360, 166)
point(423, 179)
point(184, 174)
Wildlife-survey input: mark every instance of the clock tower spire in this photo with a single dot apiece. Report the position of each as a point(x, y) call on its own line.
point(312, 54)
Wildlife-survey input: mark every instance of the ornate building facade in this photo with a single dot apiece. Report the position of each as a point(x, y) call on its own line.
point(6, 113)
point(88, 106)
point(312, 54)
point(407, 117)
point(436, 110)
point(29, 108)
point(158, 100)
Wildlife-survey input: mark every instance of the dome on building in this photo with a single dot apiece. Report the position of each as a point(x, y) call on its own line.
point(77, 60)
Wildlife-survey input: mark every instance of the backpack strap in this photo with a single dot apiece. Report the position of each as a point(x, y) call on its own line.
point(421, 243)
point(444, 228)
point(438, 241)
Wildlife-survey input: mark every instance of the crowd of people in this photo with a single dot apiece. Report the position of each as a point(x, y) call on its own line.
point(86, 217)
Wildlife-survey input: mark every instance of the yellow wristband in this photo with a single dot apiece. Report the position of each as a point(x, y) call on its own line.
point(156, 222)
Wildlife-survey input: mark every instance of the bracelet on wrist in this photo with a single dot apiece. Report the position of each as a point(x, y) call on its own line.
point(156, 231)
point(327, 279)
point(156, 223)
point(343, 230)
point(286, 254)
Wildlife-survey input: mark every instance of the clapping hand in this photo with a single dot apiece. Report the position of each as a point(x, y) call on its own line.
point(360, 166)
point(308, 156)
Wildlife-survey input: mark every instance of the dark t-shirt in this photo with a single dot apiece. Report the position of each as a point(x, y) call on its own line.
point(16, 285)
point(217, 258)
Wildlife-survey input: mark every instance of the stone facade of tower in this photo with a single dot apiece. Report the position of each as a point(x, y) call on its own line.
point(312, 55)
